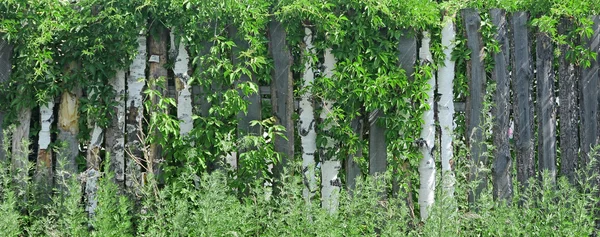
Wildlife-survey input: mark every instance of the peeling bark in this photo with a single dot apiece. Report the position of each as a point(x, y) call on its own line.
point(115, 132)
point(446, 106)
point(135, 114)
point(331, 165)
point(184, 93)
point(68, 127)
point(427, 164)
point(306, 125)
point(44, 172)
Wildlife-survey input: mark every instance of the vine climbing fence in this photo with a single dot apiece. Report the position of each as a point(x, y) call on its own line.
point(529, 80)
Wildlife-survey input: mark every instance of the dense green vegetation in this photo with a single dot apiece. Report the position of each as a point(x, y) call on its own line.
point(198, 196)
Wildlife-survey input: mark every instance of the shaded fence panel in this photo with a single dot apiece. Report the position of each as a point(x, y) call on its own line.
point(589, 98)
point(502, 166)
point(546, 115)
point(568, 111)
point(476, 77)
point(5, 68)
point(522, 97)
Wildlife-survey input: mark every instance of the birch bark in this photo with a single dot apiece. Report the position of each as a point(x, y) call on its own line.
point(446, 106)
point(306, 125)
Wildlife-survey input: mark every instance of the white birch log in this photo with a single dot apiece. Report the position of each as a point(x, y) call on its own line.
point(93, 165)
point(184, 93)
point(44, 160)
point(427, 163)
point(331, 165)
point(115, 133)
point(446, 106)
point(135, 113)
point(307, 132)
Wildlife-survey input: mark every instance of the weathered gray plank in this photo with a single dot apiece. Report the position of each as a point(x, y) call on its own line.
point(407, 57)
point(5, 69)
point(476, 76)
point(589, 97)
point(282, 94)
point(568, 111)
point(502, 167)
point(377, 144)
point(157, 46)
point(546, 114)
point(522, 87)
point(352, 168)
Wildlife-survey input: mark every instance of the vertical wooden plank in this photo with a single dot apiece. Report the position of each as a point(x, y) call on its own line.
point(568, 110)
point(20, 150)
point(407, 57)
point(589, 97)
point(182, 87)
point(44, 173)
point(476, 76)
point(115, 132)
point(352, 169)
point(282, 95)
point(68, 126)
point(307, 122)
point(377, 143)
point(502, 167)
point(522, 87)
point(135, 114)
point(157, 48)
point(5, 70)
point(546, 105)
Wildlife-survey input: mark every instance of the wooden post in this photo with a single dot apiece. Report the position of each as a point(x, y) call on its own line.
point(589, 98)
point(568, 111)
point(282, 96)
point(157, 48)
point(44, 173)
point(522, 87)
point(502, 167)
point(68, 124)
point(407, 58)
point(184, 92)
point(545, 105)
point(20, 149)
point(474, 119)
point(5, 70)
point(115, 132)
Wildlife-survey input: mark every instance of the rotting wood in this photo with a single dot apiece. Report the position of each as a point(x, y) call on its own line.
point(158, 73)
point(115, 132)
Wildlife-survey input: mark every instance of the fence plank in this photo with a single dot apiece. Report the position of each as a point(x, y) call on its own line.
point(589, 98)
point(568, 111)
point(43, 172)
point(476, 76)
point(157, 46)
point(68, 125)
point(546, 105)
point(115, 132)
point(5, 70)
point(282, 95)
point(182, 88)
point(135, 114)
point(407, 57)
point(502, 167)
point(522, 87)
point(20, 149)
point(377, 144)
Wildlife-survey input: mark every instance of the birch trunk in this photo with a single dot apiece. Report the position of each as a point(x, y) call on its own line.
point(115, 133)
point(68, 127)
point(427, 163)
point(93, 166)
point(135, 114)
point(184, 93)
point(502, 166)
point(20, 149)
point(157, 47)
point(446, 106)
point(44, 155)
point(330, 167)
point(282, 97)
point(5, 70)
point(307, 131)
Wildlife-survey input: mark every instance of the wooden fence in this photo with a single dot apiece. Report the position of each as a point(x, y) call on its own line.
point(525, 93)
